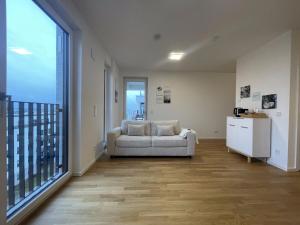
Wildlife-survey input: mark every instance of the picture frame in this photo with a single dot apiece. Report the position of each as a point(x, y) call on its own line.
point(245, 91)
point(269, 101)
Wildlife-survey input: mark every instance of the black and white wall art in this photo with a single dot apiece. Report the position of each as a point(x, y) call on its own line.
point(159, 91)
point(116, 91)
point(167, 96)
point(269, 101)
point(245, 91)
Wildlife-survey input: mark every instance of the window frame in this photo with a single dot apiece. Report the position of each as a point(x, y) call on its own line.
point(68, 104)
point(3, 191)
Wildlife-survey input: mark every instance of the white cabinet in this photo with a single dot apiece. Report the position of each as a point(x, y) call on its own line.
point(249, 136)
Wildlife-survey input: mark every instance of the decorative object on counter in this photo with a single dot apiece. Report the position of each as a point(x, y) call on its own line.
point(245, 91)
point(269, 101)
point(237, 111)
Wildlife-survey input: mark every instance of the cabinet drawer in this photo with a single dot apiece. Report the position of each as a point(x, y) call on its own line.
point(246, 123)
point(232, 121)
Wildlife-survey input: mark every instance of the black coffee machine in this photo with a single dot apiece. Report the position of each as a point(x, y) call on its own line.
point(238, 111)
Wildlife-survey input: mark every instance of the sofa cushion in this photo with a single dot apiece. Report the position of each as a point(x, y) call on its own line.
point(174, 123)
point(134, 141)
point(136, 130)
point(124, 126)
point(169, 141)
point(165, 130)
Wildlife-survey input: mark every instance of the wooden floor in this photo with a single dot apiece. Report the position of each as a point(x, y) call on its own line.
point(213, 188)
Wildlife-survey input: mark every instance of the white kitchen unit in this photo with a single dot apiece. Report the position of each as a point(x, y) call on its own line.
point(249, 136)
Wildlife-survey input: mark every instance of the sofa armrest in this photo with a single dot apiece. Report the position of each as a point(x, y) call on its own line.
point(191, 143)
point(111, 139)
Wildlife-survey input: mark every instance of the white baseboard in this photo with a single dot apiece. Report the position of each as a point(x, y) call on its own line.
point(292, 170)
point(212, 138)
point(83, 171)
point(277, 165)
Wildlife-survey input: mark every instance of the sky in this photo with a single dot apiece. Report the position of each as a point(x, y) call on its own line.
point(31, 53)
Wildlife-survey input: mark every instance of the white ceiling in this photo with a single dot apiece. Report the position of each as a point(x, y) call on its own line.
point(213, 33)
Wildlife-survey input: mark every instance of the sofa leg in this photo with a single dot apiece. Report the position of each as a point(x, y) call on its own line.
point(228, 149)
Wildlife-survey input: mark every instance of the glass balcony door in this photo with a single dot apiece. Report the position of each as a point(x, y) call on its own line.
point(2, 112)
point(135, 98)
point(36, 102)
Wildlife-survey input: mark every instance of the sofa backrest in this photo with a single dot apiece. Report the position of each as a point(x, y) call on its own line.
point(174, 123)
point(124, 126)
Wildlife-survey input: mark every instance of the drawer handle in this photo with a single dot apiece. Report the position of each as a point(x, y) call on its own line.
point(244, 127)
point(231, 125)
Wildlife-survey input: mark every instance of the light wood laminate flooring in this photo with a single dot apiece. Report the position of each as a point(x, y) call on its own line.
point(213, 188)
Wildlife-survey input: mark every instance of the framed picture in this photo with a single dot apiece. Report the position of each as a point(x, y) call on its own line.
point(245, 91)
point(256, 96)
point(269, 101)
point(159, 99)
point(116, 91)
point(116, 96)
point(159, 91)
point(167, 96)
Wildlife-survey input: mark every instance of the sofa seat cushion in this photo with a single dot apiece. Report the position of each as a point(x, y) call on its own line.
point(134, 141)
point(169, 141)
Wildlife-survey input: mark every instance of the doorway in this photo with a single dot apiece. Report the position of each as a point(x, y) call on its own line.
point(135, 98)
point(108, 100)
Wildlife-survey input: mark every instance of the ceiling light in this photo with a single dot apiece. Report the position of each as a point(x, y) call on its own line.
point(20, 51)
point(176, 56)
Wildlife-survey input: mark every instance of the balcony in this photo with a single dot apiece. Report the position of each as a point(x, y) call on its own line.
point(34, 149)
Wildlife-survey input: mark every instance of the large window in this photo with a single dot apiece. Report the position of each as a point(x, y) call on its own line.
point(37, 102)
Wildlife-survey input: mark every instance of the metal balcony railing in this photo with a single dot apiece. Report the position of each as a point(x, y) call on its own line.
point(33, 148)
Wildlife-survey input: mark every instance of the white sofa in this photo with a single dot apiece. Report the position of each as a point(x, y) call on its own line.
point(120, 144)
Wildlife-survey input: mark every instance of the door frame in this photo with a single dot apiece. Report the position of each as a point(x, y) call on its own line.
point(144, 79)
point(108, 101)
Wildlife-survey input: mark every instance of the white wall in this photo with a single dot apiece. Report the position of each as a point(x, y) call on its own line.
point(199, 100)
point(88, 88)
point(269, 70)
point(117, 84)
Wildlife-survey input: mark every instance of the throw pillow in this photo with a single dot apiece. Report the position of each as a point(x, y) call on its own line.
point(165, 130)
point(136, 130)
